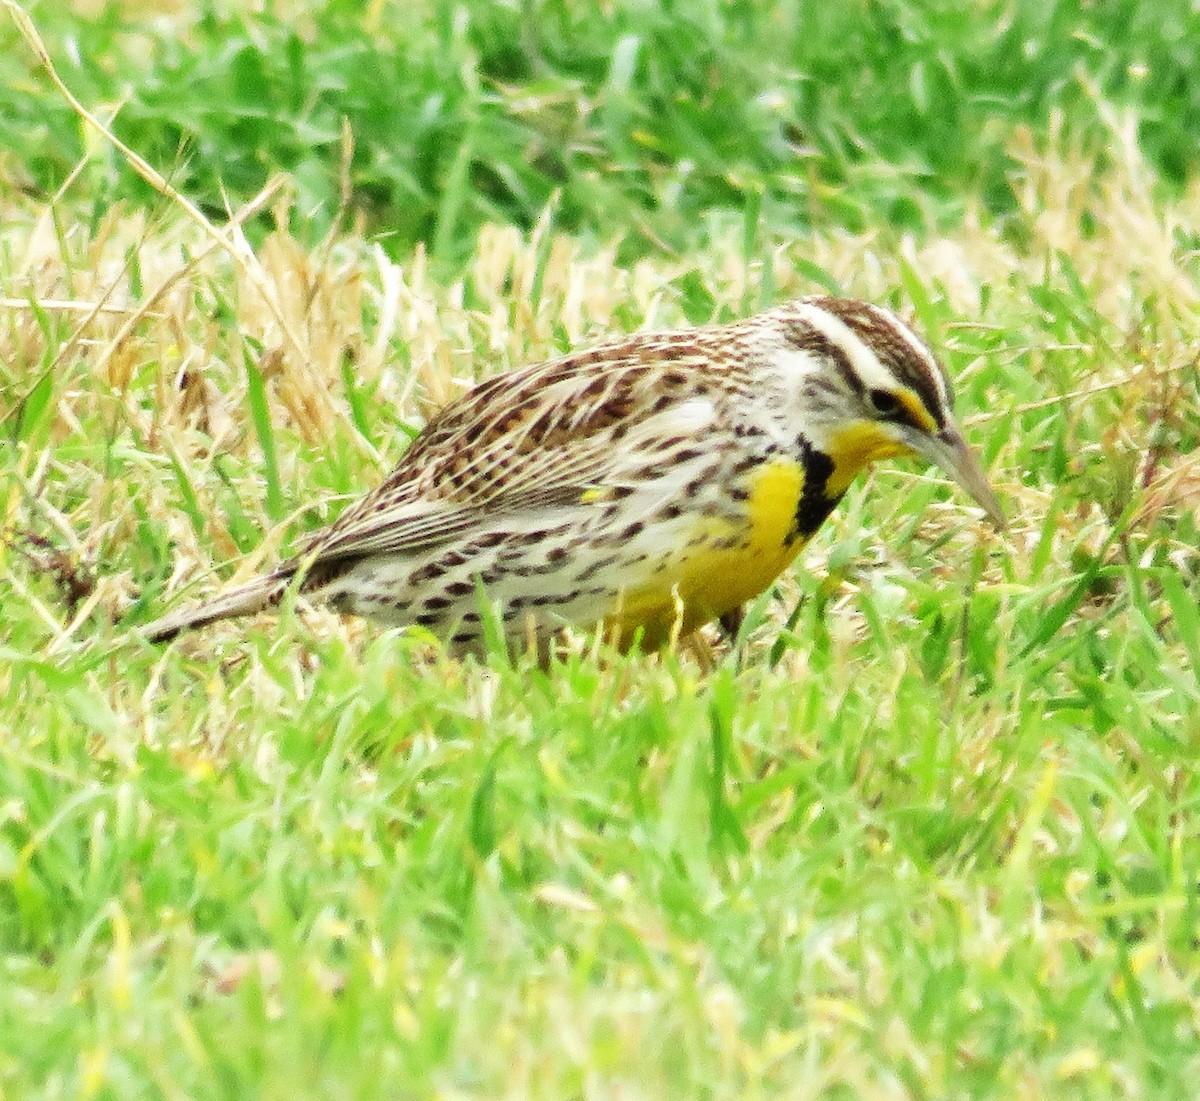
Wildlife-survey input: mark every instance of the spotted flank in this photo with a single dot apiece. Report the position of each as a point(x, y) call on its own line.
point(644, 487)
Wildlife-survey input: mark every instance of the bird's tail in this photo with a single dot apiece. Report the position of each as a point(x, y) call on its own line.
point(253, 596)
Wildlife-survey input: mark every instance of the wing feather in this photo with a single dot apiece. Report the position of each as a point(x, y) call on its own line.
point(534, 441)
point(415, 527)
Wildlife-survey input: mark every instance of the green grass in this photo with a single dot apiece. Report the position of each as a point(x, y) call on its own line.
point(929, 830)
point(631, 119)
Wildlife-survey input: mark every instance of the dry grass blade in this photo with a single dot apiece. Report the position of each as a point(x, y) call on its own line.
point(66, 306)
point(242, 257)
point(1141, 374)
point(248, 211)
point(135, 314)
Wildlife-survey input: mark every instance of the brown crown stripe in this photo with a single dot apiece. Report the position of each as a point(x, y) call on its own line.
point(880, 334)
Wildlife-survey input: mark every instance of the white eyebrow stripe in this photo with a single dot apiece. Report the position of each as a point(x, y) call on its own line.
point(865, 363)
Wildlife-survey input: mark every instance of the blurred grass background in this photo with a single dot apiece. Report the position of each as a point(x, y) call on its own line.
point(929, 830)
point(639, 119)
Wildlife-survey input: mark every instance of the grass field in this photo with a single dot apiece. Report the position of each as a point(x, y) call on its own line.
point(929, 830)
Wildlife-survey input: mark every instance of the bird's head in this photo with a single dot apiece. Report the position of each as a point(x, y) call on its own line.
point(871, 389)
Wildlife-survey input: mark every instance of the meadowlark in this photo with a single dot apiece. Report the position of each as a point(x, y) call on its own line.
point(644, 487)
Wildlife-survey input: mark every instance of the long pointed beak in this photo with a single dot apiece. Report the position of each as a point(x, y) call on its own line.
point(951, 452)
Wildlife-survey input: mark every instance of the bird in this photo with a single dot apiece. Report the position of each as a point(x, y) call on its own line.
point(643, 488)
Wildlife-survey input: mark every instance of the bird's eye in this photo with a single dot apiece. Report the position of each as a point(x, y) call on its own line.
point(884, 403)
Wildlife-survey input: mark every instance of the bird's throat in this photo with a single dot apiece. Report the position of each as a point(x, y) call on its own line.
point(855, 447)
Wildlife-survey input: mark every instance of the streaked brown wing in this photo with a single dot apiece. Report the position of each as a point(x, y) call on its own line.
point(546, 437)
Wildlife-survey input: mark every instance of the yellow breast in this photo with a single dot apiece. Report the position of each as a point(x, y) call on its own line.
point(722, 563)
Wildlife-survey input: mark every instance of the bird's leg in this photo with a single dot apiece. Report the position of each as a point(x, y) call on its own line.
point(731, 622)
